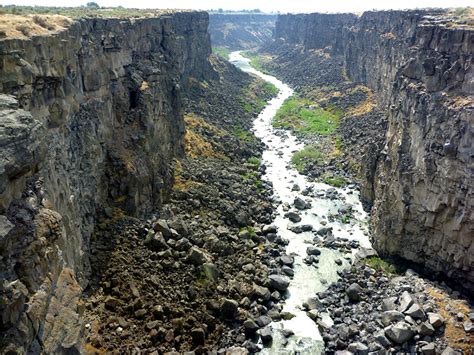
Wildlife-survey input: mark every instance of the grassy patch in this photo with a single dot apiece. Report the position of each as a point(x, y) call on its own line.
point(335, 181)
point(221, 52)
point(258, 62)
point(304, 116)
point(250, 230)
point(253, 97)
point(383, 265)
point(254, 178)
point(270, 89)
point(308, 155)
point(254, 161)
point(243, 134)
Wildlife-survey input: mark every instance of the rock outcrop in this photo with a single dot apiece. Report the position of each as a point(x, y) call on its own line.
point(241, 31)
point(90, 117)
point(420, 184)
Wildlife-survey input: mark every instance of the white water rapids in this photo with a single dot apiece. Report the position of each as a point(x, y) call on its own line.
point(308, 280)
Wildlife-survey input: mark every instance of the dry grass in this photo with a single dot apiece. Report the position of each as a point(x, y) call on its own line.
point(453, 334)
point(196, 146)
point(89, 349)
point(26, 26)
point(366, 106)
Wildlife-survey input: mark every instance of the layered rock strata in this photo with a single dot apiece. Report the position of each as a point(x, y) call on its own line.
point(90, 117)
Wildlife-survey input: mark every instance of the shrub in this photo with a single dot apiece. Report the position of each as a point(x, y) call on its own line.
point(308, 155)
point(25, 30)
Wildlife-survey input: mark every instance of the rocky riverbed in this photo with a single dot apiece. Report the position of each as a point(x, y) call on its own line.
point(372, 306)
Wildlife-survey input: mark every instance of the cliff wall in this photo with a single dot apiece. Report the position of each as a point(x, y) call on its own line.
point(420, 183)
point(241, 31)
point(98, 109)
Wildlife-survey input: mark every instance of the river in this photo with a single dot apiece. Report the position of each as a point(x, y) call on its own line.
point(308, 280)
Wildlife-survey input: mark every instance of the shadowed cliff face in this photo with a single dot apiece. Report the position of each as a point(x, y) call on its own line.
point(420, 183)
point(98, 109)
point(241, 31)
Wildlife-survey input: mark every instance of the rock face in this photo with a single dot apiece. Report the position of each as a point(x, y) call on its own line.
point(241, 31)
point(90, 116)
point(420, 183)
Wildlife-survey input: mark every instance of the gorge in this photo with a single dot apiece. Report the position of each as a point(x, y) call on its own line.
point(151, 201)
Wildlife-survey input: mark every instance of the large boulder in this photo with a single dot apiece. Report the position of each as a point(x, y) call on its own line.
point(279, 282)
point(229, 308)
point(399, 333)
point(354, 292)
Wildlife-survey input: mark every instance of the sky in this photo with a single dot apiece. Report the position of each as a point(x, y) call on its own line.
point(264, 5)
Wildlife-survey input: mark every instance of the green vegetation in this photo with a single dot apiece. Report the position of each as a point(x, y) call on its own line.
point(243, 135)
point(250, 230)
point(252, 96)
point(270, 89)
point(304, 116)
point(335, 181)
point(308, 155)
point(221, 52)
point(258, 62)
point(383, 265)
point(254, 161)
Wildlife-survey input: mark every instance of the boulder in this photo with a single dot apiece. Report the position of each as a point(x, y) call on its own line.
point(428, 349)
point(389, 317)
point(261, 292)
point(354, 292)
point(263, 321)
point(162, 226)
point(415, 312)
point(311, 250)
point(406, 300)
point(279, 282)
point(156, 241)
point(266, 335)
point(300, 204)
point(426, 329)
point(399, 333)
point(199, 336)
point(197, 256)
point(388, 304)
point(229, 308)
point(364, 253)
point(435, 319)
point(468, 326)
point(250, 326)
point(294, 217)
point(358, 348)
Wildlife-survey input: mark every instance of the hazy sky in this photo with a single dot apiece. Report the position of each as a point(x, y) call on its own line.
point(265, 5)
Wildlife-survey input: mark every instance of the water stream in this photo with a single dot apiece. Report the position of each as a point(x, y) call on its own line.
point(308, 280)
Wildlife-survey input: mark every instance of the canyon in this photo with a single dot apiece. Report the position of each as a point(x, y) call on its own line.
point(418, 176)
point(137, 212)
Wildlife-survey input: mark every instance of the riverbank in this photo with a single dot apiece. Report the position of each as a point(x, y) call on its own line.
point(371, 307)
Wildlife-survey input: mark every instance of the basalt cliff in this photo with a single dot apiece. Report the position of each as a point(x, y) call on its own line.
point(417, 166)
point(91, 117)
